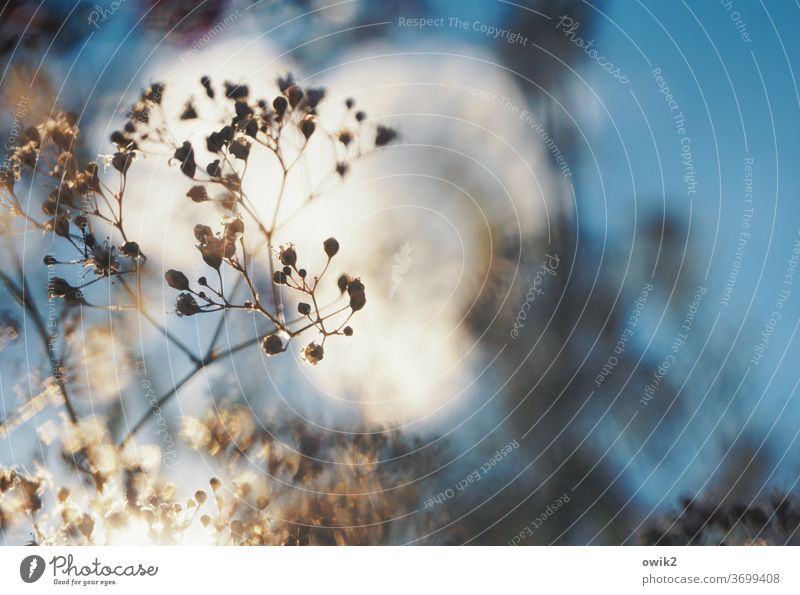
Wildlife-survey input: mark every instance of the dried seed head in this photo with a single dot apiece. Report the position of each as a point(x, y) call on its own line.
point(186, 305)
point(198, 193)
point(313, 353)
point(177, 280)
point(331, 247)
point(235, 92)
point(272, 345)
point(358, 298)
point(313, 96)
point(345, 137)
point(211, 251)
point(384, 136)
point(295, 95)
point(122, 161)
point(307, 127)
point(200, 496)
point(234, 228)
point(304, 309)
point(214, 142)
point(240, 149)
point(132, 250)
point(280, 104)
point(215, 483)
point(61, 226)
point(206, 82)
point(213, 169)
point(189, 113)
point(284, 82)
point(342, 282)
point(203, 233)
point(279, 278)
point(288, 256)
point(348, 331)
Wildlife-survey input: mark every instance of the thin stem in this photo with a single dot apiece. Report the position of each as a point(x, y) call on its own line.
point(20, 294)
point(211, 358)
point(172, 338)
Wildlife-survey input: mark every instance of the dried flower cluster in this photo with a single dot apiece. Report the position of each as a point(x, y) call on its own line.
point(281, 127)
point(270, 490)
point(117, 494)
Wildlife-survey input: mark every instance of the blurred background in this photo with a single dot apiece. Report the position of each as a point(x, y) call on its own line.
point(579, 257)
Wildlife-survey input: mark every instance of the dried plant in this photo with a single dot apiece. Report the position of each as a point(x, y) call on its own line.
point(84, 214)
point(133, 502)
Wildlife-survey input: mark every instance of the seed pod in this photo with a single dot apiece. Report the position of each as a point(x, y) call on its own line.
point(313, 353)
point(243, 111)
point(295, 95)
point(313, 96)
point(189, 113)
point(342, 282)
point(240, 149)
point(119, 139)
point(61, 227)
point(345, 137)
point(186, 305)
point(331, 247)
point(131, 250)
point(176, 280)
point(183, 152)
point(384, 136)
point(234, 92)
point(304, 309)
point(279, 278)
point(122, 161)
point(358, 298)
point(206, 82)
point(272, 345)
point(307, 127)
point(348, 331)
point(234, 228)
point(212, 252)
point(280, 104)
point(213, 169)
point(214, 142)
point(227, 133)
point(288, 256)
point(198, 193)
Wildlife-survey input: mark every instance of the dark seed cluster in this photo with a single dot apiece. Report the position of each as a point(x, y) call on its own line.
point(276, 126)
